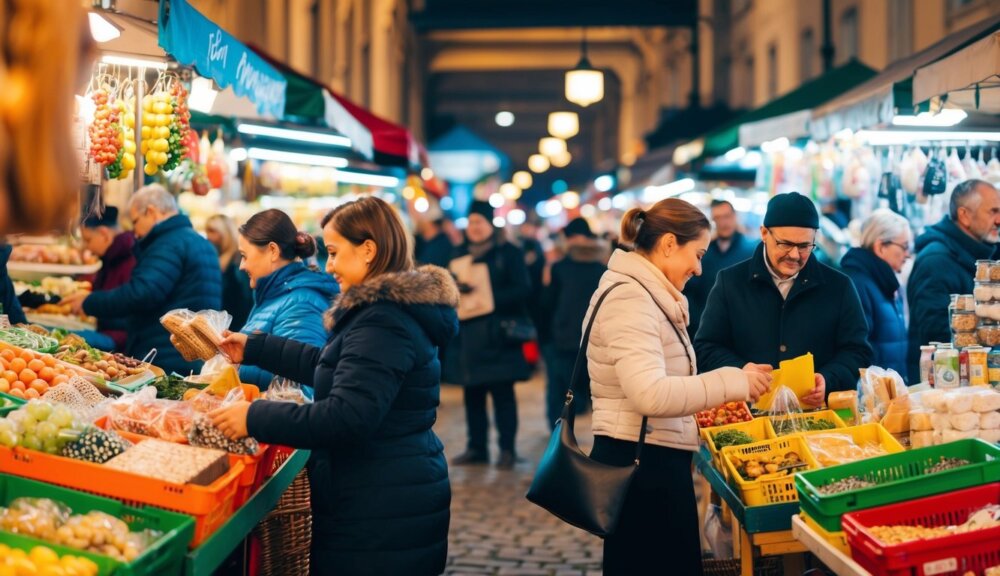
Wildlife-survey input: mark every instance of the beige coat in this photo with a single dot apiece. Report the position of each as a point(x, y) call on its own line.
point(638, 365)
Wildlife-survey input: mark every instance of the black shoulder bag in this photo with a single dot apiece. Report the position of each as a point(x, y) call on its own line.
point(568, 483)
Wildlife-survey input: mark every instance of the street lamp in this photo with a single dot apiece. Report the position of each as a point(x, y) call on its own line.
point(584, 84)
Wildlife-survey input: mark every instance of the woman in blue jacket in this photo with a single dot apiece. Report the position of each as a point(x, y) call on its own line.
point(886, 243)
point(380, 490)
point(289, 298)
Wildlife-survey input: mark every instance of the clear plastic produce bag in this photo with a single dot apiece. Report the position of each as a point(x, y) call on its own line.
point(285, 390)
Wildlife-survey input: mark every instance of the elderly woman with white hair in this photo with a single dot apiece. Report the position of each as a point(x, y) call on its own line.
point(175, 268)
point(886, 244)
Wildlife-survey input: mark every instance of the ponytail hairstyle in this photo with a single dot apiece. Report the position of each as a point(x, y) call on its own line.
point(275, 226)
point(642, 229)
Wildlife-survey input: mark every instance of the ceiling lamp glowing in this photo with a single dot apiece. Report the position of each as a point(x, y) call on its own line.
point(584, 84)
point(564, 125)
point(538, 163)
point(510, 191)
point(522, 179)
point(562, 160)
point(552, 147)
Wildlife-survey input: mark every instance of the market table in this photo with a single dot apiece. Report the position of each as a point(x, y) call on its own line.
point(763, 530)
point(833, 558)
point(206, 558)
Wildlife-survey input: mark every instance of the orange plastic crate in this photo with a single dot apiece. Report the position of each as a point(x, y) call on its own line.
point(210, 505)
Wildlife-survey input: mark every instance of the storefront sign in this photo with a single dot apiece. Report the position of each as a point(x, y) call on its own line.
point(194, 40)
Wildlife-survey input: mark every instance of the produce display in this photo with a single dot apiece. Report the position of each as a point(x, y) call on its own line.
point(832, 449)
point(105, 134)
point(52, 254)
point(728, 413)
point(981, 520)
point(205, 434)
point(77, 393)
point(39, 425)
point(783, 426)
point(949, 415)
point(946, 464)
point(170, 462)
point(27, 374)
point(754, 467)
point(42, 560)
point(731, 438)
point(144, 414)
point(845, 485)
point(28, 339)
point(165, 124)
point(171, 387)
point(96, 445)
point(55, 522)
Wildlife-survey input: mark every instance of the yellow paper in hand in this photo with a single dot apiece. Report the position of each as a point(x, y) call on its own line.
point(798, 374)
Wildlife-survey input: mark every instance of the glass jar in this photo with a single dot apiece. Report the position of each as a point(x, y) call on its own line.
point(989, 335)
point(964, 339)
point(995, 271)
point(983, 292)
point(983, 270)
point(965, 303)
point(964, 321)
point(927, 364)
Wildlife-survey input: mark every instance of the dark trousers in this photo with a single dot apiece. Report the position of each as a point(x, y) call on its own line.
point(559, 366)
point(659, 511)
point(504, 412)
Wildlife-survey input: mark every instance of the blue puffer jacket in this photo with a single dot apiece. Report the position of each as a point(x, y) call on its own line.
point(882, 302)
point(290, 303)
point(175, 268)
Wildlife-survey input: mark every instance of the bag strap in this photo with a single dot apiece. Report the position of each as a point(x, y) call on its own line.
point(580, 369)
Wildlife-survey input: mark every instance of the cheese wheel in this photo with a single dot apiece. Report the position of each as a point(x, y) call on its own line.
point(964, 422)
point(921, 421)
point(986, 401)
point(842, 400)
point(933, 399)
point(941, 422)
point(921, 439)
point(989, 420)
point(959, 402)
point(955, 435)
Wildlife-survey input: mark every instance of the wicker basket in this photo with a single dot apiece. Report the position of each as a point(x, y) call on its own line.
point(731, 567)
point(285, 534)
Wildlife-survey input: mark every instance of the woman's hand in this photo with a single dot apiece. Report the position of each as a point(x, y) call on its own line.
point(232, 419)
point(75, 301)
point(759, 380)
point(233, 346)
point(815, 398)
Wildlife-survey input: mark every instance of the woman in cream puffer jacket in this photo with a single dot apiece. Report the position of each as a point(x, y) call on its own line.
point(641, 363)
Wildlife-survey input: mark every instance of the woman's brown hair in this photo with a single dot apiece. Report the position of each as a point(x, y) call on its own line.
point(372, 219)
point(275, 226)
point(642, 229)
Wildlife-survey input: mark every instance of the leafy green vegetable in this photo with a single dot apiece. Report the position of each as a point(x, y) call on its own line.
point(731, 438)
point(171, 387)
point(28, 340)
point(792, 425)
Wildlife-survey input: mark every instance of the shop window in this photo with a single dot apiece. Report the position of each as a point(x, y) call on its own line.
point(901, 23)
point(848, 46)
point(772, 71)
point(748, 86)
point(807, 55)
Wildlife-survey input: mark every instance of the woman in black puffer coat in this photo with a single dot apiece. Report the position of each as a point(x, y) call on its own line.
point(380, 489)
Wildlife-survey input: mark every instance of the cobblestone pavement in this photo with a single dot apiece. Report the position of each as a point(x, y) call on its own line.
point(494, 529)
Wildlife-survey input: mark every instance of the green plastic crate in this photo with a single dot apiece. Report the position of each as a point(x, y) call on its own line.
point(105, 566)
point(165, 556)
point(9, 404)
point(899, 477)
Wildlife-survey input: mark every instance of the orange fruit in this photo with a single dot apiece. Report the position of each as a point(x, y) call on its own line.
point(40, 386)
point(17, 385)
point(49, 360)
point(32, 394)
point(27, 375)
point(47, 373)
point(4, 385)
point(60, 379)
point(10, 376)
point(7, 355)
point(18, 364)
point(27, 355)
point(36, 364)
point(17, 392)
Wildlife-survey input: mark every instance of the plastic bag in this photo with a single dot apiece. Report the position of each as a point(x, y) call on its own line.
point(784, 412)
point(718, 536)
point(878, 389)
point(285, 390)
point(206, 435)
point(196, 335)
point(143, 413)
point(832, 449)
point(38, 517)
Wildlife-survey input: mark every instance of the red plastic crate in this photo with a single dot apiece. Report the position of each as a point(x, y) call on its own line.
point(947, 556)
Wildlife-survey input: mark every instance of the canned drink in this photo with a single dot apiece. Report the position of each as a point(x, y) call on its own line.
point(979, 366)
point(946, 367)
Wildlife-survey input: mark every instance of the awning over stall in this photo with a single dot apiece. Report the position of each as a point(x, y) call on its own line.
point(877, 101)
point(970, 77)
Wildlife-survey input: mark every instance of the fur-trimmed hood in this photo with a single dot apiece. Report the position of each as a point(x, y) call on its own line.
point(429, 294)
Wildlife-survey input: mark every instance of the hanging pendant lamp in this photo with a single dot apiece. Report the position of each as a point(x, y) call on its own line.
point(584, 84)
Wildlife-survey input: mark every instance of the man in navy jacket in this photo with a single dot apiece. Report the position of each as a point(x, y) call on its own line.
point(783, 303)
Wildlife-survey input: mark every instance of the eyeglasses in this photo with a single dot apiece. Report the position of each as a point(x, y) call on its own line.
point(906, 247)
point(786, 247)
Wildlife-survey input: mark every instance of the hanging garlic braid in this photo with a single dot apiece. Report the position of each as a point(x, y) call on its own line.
point(45, 49)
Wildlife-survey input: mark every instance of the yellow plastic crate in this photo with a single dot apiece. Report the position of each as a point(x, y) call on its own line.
point(873, 433)
point(836, 539)
point(769, 488)
point(828, 415)
point(756, 429)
